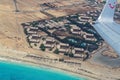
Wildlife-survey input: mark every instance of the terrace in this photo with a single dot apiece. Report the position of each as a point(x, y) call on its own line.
point(78, 52)
point(49, 43)
point(31, 31)
point(63, 48)
point(34, 39)
point(75, 30)
point(84, 18)
point(52, 24)
point(89, 37)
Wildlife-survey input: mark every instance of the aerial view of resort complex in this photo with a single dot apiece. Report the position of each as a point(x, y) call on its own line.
point(59, 39)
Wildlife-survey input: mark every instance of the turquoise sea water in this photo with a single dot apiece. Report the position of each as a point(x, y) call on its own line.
point(10, 71)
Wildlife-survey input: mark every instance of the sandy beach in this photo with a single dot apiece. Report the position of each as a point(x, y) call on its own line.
point(85, 69)
point(50, 63)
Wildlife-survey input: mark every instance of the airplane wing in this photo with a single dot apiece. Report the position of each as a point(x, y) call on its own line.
point(107, 28)
point(111, 36)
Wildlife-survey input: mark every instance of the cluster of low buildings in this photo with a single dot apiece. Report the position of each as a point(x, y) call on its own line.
point(89, 16)
point(75, 30)
point(41, 34)
point(49, 43)
point(66, 48)
point(89, 37)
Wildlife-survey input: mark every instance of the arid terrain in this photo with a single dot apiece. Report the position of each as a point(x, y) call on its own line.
point(12, 37)
point(11, 31)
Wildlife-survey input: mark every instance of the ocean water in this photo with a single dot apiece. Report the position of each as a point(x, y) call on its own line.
point(12, 71)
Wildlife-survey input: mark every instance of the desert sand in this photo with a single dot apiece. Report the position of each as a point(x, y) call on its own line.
point(14, 47)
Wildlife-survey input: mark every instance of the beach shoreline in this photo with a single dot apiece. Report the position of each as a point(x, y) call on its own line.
point(83, 69)
point(38, 65)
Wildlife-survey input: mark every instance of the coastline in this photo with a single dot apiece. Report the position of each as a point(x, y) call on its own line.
point(34, 64)
point(43, 68)
point(85, 69)
point(17, 56)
